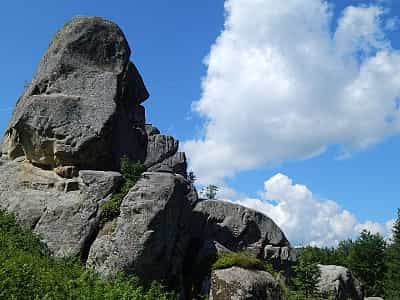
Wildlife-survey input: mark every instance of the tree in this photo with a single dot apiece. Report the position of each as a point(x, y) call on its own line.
point(367, 261)
point(191, 177)
point(211, 191)
point(392, 276)
point(307, 274)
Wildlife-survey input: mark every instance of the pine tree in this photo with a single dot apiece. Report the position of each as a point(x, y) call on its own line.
point(367, 262)
point(191, 177)
point(211, 191)
point(307, 274)
point(392, 276)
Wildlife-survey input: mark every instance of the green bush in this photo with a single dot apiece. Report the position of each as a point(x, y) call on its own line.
point(243, 260)
point(27, 271)
point(131, 173)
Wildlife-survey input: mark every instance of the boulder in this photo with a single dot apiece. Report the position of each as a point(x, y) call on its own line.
point(151, 235)
point(174, 164)
point(67, 218)
point(339, 282)
point(83, 106)
point(240, 284)
point(159, 148)
point(151, 130)
point(237, 227)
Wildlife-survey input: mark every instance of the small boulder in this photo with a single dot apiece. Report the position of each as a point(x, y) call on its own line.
point(159, 148)
point(151, 130)
point(175, 164)
point(240, 284)
point(340, 282)
point(66, 171)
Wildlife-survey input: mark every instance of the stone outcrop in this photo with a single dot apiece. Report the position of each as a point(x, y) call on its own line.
point(339, 282)
point(152, 233)
point(241, 229)
point(240, 284)
point(79, 116)
point(162, 153)
point(83, 107)
point(66, 218)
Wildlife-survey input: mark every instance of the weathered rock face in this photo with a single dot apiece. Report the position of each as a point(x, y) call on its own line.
point(240, 284)
point(79, 116)
point(152, 233)
point(239, 228)
point(64, 211)
point(219, 226)
point(340, 282)
point(83, 105)
point(162, 153)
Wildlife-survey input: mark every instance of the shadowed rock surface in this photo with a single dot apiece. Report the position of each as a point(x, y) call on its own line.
point(238, 228)
point(83, 106)
point(240, 284)
point(151, 235)
point(340, 282)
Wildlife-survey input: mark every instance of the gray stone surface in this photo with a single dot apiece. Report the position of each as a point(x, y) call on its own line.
point(240, 284)
point(159, 148)
point(151, 235)
point(174, 164)
point(83, 106)
point(236, 227)
point(151, 130)
point(67, 221)
point(340, 282)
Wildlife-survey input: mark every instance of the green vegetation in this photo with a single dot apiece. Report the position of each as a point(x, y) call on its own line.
point(211, 191)
point(307, 275)
point(131, 173)
point(243, 260)
point(366, 260)
point(192, 177)
point(364, 257)
point(392, 276)
point(28, 272)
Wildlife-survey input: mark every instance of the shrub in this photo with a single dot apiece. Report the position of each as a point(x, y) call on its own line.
point(243, 260)
point(28, 272)
point(131, 173)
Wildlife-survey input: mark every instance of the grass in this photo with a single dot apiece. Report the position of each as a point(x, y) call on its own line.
point(243, 260)
point(131, 173)
point(27, 271)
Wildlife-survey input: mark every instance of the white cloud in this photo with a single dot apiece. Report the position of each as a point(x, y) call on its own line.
point(306, 219)
point(280, 85)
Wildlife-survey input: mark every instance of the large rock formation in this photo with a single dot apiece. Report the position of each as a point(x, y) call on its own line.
point(79, 116)
point(241, 229)
point(339, 282)
point(83, 106)
point(240, 284)
point(151, 235)
point(65, 212)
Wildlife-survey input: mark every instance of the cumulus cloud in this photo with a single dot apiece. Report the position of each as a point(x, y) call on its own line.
point(306, 219)
point(282, 85)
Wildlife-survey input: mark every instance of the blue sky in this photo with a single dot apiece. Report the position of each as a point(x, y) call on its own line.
point(170, 40)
